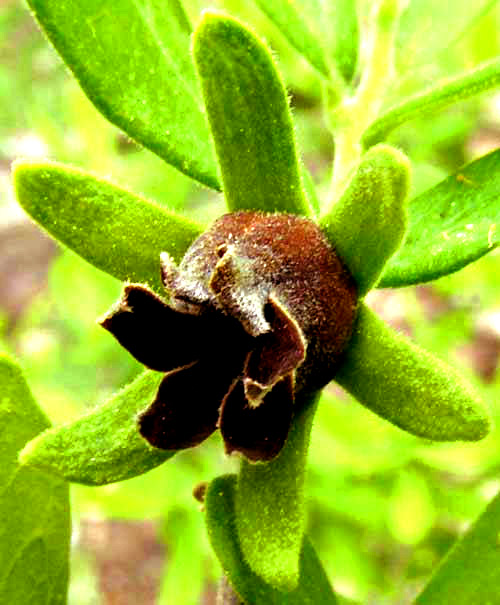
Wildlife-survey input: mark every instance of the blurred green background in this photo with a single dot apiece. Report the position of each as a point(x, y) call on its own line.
point(384, 506)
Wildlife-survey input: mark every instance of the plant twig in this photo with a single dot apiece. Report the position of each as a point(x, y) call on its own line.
point(357, 112)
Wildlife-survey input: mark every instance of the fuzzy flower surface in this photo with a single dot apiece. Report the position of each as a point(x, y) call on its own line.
point(259, 310)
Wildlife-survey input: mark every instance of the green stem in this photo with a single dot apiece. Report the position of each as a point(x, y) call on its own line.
point(461, 87)
point(270, 505)
point(355, 113)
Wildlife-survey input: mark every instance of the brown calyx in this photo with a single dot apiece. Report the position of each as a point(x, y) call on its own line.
point(245, 258)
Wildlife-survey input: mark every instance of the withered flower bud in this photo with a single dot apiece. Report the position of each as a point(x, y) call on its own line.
point(259, 310)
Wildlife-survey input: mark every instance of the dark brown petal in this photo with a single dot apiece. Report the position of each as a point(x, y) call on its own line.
point(159, 337)
point(238, 289)
point(257, 432)
point(278, 353)
point(186, 407)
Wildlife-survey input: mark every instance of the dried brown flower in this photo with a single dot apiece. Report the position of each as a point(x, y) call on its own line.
point(259, 310)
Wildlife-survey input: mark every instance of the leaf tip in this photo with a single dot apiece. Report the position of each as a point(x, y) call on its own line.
point(479, 424)
point(217, 24)
point(208, 17)
point(24, 166)
point(26, 174)
point(397, 166)
point(26, 454)
point(20, 168)
point(32, 454)
point(212, 14)
point(368, 223)
point(8, 362)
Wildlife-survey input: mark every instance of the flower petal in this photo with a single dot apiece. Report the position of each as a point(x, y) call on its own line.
point(186, 408)
point(257, 432)
point(187, 293)
point(239, 289)
point(157, 336)
point(278, 353)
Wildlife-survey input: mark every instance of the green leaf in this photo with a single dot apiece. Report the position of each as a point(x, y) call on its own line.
point(448, 92)
point(270, 507)
point(450, 225)
point(35, 524)
point(105, 445)
point(249, 117)
point(418, 23)
point(133, 63)
point(298, 21)
point(408, 386)
point(109, 227)
point(470, 573)
point(313, 587)
point(367, 225)
point(310, 190)
point(340, 29)
point(325, 33)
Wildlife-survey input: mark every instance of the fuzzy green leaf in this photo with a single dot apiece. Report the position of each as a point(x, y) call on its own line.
point(325, 33)
point(448, 92)
point(133, 62)
point(408, 386)
point(313, 587)
point(270, 508)
point(35, 524)
point(367, 225)
point(105, 445)
point(112, 229)
point(470, 573)
point(450, 225)
point(249, 117)
point(341, 21)
point(299, 22)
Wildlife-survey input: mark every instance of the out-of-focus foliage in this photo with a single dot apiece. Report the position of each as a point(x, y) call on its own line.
point(35, 524)
point(383, 506)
